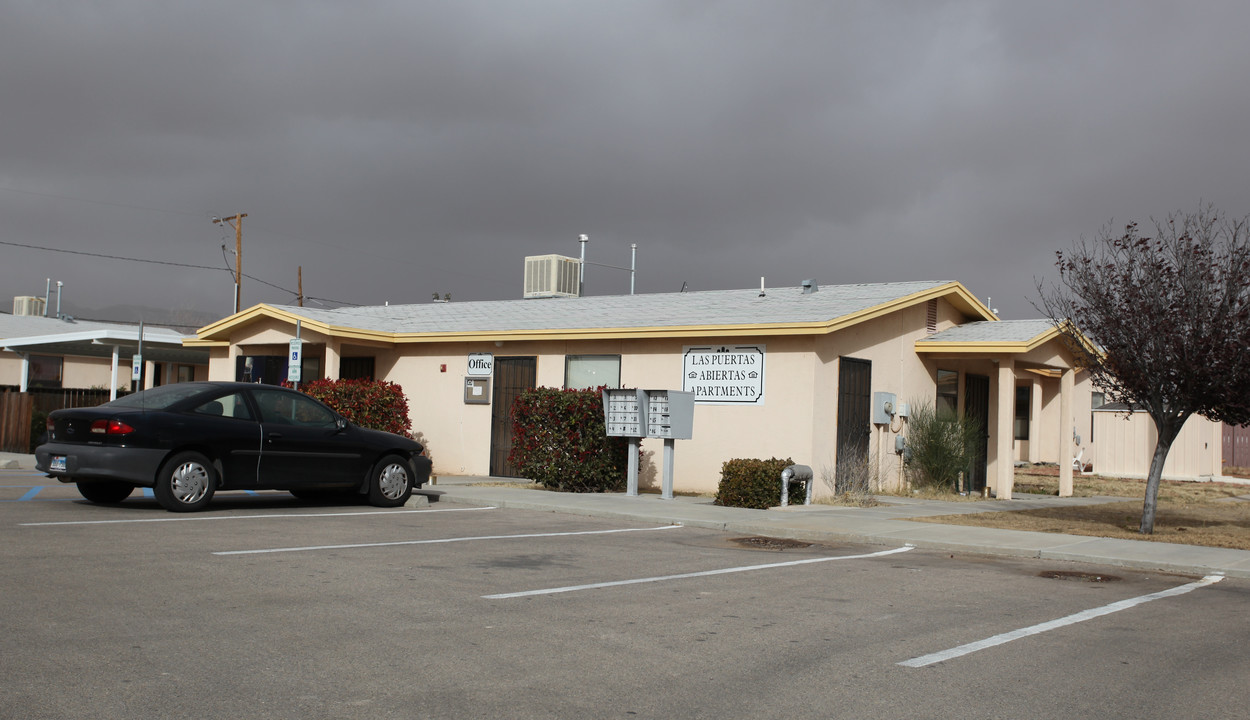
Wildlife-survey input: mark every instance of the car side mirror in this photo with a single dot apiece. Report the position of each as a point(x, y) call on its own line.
point(340, 424)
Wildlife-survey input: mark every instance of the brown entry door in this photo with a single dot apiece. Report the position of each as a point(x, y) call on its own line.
point(977, 408)
point(513, 375)
point(854, 420)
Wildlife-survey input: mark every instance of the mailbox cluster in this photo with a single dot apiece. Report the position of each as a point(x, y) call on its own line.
point(667, 414)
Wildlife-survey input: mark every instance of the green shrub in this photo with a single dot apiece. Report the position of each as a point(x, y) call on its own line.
point(376, 404)
point(754, 483)
point(559, 440)
point(38, 428)
point(942, 446)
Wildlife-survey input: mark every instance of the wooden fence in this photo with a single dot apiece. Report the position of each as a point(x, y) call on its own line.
point(1236, 446)
point(18, 409)
point(15, 413)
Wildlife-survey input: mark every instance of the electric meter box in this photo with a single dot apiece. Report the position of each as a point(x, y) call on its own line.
point(624, 413)
point(670, 414)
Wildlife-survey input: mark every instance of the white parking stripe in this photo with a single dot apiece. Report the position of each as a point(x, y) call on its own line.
point(440, 540)
point(682, 576)
point(1082, 616)
point(201, 518)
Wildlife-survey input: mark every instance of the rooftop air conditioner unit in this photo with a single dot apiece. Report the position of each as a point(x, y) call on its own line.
point(28, 305)
point(552, 276)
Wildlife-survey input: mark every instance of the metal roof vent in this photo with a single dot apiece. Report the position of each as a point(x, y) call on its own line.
point(809, 287)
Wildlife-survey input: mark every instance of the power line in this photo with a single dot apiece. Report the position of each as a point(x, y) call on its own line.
point(145, 260)
point(112, 257)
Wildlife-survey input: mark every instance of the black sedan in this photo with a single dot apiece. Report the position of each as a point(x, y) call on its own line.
point(189, 440)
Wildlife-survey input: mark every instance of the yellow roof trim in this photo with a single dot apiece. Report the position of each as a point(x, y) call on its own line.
point(964, 301)
point(1001, 347)
point(988, 346)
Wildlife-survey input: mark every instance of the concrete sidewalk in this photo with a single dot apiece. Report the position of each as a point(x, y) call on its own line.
point(886, 524)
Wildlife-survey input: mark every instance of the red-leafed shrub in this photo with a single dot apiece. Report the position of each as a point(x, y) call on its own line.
point(560, 441)
point(377, 404)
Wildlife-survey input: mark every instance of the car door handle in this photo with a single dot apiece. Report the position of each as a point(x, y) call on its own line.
point(274, 436)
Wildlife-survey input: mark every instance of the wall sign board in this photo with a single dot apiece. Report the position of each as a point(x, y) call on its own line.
point(481, 364)
point(724, 374)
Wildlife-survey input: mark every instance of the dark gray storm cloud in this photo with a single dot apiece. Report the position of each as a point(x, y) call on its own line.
point(397, 149)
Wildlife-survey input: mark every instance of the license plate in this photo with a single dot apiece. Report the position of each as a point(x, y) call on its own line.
point(57, 464)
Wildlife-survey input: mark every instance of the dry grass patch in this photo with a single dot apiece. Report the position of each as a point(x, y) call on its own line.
point(846, 499)
point(1190, 513)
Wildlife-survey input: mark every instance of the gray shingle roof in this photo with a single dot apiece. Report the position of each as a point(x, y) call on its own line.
point(990, 331)
point(14, 326)
point(713, 307)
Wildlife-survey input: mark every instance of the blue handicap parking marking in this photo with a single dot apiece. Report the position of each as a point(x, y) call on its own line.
point(31, 493)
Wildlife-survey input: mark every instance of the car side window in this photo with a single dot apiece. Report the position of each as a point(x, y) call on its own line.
point(286, 408)
point(231, 406)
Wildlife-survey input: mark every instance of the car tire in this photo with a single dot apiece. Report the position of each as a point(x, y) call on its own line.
point(390, 483)
point(105, 492)
point(185, 483)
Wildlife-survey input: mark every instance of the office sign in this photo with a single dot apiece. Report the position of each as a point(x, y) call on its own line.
point(481, 364)
point(724, 374)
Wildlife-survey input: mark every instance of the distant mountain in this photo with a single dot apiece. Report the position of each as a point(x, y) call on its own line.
point(183, 319)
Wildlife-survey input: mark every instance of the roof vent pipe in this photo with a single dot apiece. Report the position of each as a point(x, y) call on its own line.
point(809, 287)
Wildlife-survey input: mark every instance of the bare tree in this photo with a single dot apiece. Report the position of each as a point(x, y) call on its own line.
point(1169, 321)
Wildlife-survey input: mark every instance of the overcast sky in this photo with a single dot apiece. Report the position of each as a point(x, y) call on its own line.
point(397, 149)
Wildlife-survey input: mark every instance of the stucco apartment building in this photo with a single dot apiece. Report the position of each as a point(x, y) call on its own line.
point(799, 372)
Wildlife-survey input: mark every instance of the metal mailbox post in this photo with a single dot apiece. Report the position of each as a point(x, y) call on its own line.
point(666, 414)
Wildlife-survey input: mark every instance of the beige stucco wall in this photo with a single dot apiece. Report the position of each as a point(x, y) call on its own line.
point(10, 369)
point(458, 434)
point(82, 372)
point(1044, 425)
point(76, 372)
point(1124, 445)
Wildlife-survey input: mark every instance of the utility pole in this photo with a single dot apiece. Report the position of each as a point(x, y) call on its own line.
point(236, 222)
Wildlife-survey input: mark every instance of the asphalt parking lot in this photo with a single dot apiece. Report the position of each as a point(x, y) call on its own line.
point(265, 606)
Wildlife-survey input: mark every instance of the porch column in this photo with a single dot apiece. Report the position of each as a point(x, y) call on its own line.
point(1006, 460)
point(25, 383)
point(1035, 421)
point(113, 376)
point(1066, 386)
point(332, 359)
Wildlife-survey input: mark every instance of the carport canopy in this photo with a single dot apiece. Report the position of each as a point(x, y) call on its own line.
point(111, 341)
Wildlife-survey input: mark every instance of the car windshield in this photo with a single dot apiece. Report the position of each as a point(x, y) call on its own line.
point(157, 398)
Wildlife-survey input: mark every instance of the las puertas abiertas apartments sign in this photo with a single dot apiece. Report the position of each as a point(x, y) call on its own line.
point(724, 374)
